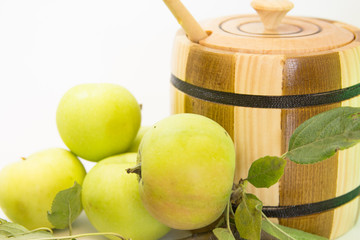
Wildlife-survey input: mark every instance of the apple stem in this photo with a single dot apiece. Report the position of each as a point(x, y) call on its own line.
point(136, 170)
point(41, 229)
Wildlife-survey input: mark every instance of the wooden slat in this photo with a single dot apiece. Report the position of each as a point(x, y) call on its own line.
point(317, 182)
point(212, 70)
point(349, 164)
point(180, 54)
point(258, 131)
point(257, 134)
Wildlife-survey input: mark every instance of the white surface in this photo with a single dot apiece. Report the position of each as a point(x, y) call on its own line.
point(48, 46)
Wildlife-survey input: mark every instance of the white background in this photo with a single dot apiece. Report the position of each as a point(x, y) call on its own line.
point(48, 46)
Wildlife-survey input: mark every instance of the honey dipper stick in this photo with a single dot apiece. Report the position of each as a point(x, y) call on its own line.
point(186, 20)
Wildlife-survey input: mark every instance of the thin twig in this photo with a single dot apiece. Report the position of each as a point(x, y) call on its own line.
point(228, 217)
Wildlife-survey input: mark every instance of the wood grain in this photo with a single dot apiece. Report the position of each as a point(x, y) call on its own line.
point(348, 164)
point(186, 20)
point(258, 132)
point(180, 52)
point(316, 182)
point(312, 35)
point(212, 70)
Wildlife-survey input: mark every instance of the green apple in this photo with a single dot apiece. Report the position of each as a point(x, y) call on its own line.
point(136, 143)
point(187, 170)
point(112, 203)
point(98, 120)
point(28, 187)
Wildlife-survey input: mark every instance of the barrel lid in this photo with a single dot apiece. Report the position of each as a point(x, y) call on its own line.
point(294, 35)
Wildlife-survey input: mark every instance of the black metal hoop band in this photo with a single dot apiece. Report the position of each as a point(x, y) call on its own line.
point(311, 208)
point(262, 101)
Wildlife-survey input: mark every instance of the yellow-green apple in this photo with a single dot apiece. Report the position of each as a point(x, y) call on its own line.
point(29, 186)
point(136, 143)
point(112, 203)
point(187, 170)
point(98, 120)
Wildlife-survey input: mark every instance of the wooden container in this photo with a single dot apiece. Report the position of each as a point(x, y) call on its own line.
point(260, 84)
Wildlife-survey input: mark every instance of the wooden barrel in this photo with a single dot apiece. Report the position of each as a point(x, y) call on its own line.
point(260, 86)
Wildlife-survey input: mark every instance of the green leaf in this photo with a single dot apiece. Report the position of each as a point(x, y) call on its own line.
point(9, 230)
point(266, 171)
point(248, 217)
point(321, 136)
point(66, 207)
point(223, 234)
point(286, 233)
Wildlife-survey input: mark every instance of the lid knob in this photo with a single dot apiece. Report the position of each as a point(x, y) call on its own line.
point(271, 12)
